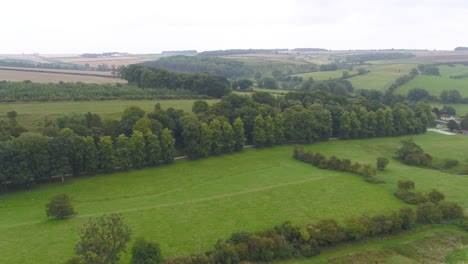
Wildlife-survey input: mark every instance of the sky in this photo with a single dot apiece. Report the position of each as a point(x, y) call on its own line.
point(145, 26)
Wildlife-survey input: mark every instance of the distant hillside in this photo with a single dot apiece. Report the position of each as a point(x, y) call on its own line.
point(239, 51)
point(461, 48)
point(196, 64)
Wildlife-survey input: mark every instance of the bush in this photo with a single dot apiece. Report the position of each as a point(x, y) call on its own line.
point(435, 196)
point(144, 252)
point(59, 207)
point(450, 210)
point(382, 163)
point(428, 213)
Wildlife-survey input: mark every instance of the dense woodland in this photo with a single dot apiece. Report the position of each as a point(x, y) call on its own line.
point(158, 78)
point(79, 144)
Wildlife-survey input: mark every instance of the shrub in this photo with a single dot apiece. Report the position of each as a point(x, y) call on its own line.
point(382, 163)
point(144, 252)
point(450, 210)
point(405, 185)
point(59, 207)
point(428, 213)
point(435, 196)
point(408, 217)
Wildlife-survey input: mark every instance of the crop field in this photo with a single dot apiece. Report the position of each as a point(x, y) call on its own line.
point(187, 206)
point(56, 76)
point(436, 84)
point(31, 113)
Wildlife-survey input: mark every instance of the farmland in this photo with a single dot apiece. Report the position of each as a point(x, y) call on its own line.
point(31, 113)
point(186, 207)
point(55, 76)
point(436, 84)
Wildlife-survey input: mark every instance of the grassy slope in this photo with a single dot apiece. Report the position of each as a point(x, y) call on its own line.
point(436, 84)
point(30, 113)
point(187, 207)
point(381, 75)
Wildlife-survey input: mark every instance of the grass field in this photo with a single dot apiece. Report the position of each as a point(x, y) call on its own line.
point(323, 75)
point(436, 84)
point(31, 113)
point(54, 77)
point(187, 206)
point(381, 75)
point(462, 109)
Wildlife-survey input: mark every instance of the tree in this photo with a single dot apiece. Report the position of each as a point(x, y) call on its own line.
point(106, 153)
point(428, 213)
point(102, 239)
point(146, 252)
point(452, 125)
point(123, 151)
point(200, 106)
point(405, 185)
point(239, 136)
point(137, 146)
point(217, 136)
point(167, 143)
point(381, 163)
point(228, 137)
point(464, 123)
point(417, 94)
point(259, 135)
point(152, 149)
point(59, 207)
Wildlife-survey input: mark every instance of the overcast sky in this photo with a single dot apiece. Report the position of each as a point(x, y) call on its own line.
point(145, 26)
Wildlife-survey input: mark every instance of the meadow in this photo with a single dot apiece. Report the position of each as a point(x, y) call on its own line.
point(187, 206)
point(436, 84)
point(30, 114)
point(381, 75)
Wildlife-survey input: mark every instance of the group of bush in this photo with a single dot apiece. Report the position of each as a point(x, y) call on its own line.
point(289, 241)
point(334, 163)
point(432, 207)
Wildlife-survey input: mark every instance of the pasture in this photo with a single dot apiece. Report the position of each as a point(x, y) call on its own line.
point(381, 75)
point(30, 114)
point(187, 206)
point(436, 84)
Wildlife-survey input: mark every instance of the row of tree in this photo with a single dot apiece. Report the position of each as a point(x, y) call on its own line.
point(33, 157)
point(159, 78)
point(334, 163)
point(260, 119)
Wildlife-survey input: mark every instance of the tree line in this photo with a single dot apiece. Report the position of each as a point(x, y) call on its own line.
point(78, 143)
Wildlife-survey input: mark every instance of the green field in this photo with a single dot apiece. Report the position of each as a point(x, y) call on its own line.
point(381, 75)
point(31, 113)
point(436, 84)
point(462, 109)
point(187, 206)
point(324, 75)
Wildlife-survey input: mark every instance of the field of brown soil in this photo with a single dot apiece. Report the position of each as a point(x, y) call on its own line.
point(440, 56)
point(99, 73)
point(55, 77)
point(109, 61)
